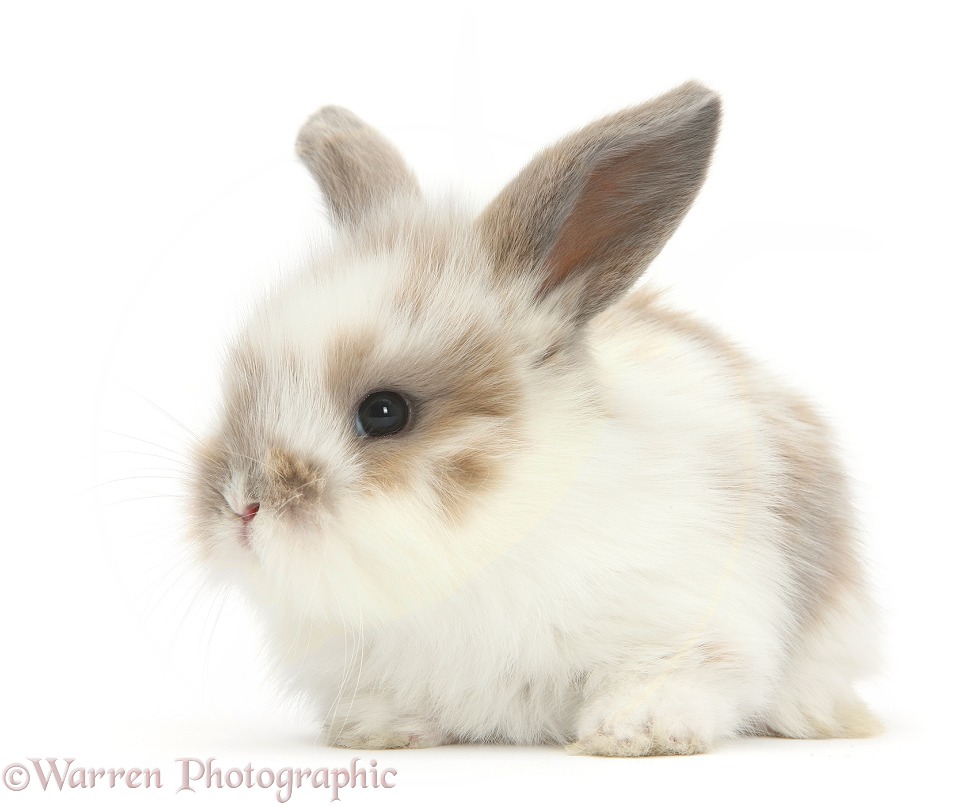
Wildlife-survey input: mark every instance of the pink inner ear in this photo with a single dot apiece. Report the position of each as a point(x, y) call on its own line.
point(586, 216)
point(615, 207)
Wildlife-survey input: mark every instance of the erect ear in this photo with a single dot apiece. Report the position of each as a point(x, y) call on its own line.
point(356, 167)
point(588, 214)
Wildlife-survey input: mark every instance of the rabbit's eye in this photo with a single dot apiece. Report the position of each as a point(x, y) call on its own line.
point(382, 414)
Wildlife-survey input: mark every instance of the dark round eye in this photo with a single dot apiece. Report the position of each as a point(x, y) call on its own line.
point(382, 414)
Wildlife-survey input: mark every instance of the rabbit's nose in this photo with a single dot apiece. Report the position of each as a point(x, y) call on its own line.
point(249, 512)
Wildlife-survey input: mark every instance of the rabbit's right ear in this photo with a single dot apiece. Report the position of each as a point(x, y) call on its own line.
point(356, 167)
point(585, 217)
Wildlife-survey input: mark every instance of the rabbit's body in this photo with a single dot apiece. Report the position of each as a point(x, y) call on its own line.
point(602, 525)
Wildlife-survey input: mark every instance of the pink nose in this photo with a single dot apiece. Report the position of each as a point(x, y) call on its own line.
point(249, 512)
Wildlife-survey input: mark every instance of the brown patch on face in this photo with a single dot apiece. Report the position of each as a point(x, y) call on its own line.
point(293, 482)
point(460, 478)
point(457, 393)
point(351, 358)
point(388, 468)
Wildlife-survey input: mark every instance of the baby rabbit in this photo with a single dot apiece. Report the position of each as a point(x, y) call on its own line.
point(482, 491)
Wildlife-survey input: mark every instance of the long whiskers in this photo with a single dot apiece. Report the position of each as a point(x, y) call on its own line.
point(163, 411)
point(145, 441)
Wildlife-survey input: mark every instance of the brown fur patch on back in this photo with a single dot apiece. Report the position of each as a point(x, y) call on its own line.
point(814, 503)
point(811, 496)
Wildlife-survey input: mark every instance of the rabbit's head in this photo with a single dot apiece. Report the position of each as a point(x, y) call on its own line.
point(401, 410)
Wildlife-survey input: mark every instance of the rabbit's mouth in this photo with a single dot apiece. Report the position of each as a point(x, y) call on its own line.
point(246, 513)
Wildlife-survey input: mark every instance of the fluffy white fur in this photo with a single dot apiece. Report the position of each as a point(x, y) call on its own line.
point(625, 582)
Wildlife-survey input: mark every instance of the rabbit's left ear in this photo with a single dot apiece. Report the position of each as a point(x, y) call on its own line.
point(588, 214)
point(356, 167)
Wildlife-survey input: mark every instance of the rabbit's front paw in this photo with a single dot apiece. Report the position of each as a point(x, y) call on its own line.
point(372, 723)
point(662, 709)
point(643, 740)
point(638, 727)
point(386, 740)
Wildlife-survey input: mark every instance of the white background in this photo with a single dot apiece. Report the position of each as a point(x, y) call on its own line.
point(148, 190)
